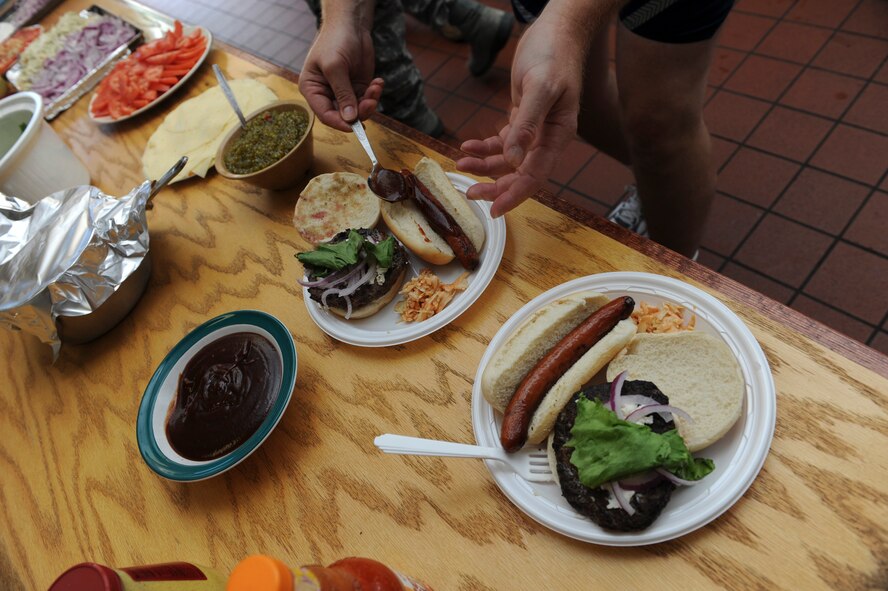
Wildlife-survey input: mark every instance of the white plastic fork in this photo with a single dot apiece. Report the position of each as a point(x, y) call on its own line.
point(531, 465)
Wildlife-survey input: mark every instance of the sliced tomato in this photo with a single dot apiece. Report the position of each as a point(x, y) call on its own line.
point(154, 72)
point(149, 72)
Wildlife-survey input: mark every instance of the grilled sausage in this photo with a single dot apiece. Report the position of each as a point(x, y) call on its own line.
point(443, 223)
point(553, 365)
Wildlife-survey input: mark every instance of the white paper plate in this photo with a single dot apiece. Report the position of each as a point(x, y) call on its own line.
point(186, 30)
point(738, 456)
point(384, 328)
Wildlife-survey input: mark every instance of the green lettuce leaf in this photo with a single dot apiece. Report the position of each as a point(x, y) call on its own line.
point(334, 256)
point(606, 448)
point(383, 252)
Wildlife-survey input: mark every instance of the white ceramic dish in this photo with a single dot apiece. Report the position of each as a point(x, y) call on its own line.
point(186, 30)
point(384, 328)
point(154, 446)
point(738, 456)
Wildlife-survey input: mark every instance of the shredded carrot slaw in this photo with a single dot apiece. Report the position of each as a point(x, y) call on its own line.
point(664, 318)
point(425, 295)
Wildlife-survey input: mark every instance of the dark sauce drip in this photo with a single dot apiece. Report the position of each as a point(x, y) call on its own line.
point(224, 394)
point(394, 186)
point(388, 184)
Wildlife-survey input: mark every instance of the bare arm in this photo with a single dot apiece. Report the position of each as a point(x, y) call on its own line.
point(547, 76)
point(339, 65)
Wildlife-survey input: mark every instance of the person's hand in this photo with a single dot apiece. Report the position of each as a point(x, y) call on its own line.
point(546, 82)
point(337, 78)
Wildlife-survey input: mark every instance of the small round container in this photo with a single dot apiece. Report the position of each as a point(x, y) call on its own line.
point(151, 434)
point(37, 163)
point(287, 171)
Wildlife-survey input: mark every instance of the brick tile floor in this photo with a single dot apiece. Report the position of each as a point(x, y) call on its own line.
point(798, 109)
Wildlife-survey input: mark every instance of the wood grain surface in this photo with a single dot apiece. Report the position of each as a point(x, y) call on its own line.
point(73, 486)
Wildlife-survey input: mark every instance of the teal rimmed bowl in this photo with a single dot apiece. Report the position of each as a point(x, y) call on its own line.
point(151, 422)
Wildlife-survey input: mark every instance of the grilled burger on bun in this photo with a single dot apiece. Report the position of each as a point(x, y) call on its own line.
point(549, 358)
point(409, 221)
point(355, 274)
point(616, 454)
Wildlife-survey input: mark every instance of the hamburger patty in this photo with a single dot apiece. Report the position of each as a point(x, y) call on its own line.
point(592, 502)
point(369, 292)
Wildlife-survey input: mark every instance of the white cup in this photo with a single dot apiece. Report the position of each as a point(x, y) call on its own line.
point(38, 163)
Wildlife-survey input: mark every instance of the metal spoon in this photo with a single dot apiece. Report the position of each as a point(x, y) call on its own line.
point(361, 134)
point(226, 90)
point(388, 184)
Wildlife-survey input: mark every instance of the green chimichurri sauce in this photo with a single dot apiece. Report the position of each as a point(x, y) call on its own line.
point(266, 140)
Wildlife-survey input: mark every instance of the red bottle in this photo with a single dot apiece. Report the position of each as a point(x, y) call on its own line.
point(171, 576)
point(263, 573)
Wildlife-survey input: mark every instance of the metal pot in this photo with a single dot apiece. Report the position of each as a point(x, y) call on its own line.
point(87, 327)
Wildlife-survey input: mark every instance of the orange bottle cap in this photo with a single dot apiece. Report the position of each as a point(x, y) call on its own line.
point(260, 573)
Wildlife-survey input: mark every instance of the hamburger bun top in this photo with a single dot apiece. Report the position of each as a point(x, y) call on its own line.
point(699, 374)
point(334, 202)
point(407, 222)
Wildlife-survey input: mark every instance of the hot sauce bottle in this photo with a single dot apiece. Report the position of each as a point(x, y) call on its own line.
point(264, 573)
point(170, 576)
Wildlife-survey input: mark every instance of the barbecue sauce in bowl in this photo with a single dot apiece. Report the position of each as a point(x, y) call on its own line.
point(224, 394)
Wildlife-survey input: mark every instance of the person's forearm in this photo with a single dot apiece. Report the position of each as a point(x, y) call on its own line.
point(353, 13)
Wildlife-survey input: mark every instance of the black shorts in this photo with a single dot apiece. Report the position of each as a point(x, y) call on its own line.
point(666, 21)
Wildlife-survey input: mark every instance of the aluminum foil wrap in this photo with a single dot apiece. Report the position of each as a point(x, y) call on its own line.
point(66, 255)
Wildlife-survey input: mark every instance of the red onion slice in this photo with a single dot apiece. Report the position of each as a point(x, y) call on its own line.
point(333, 291)
point(348, 310)
point(617, 491)
point(353, 287)
point(616, 391)
point(326, 294)
point(328, 281)
point(337, 277)
point(637, 400)
point(641, 481)
point(639, 413)
point(675, 479)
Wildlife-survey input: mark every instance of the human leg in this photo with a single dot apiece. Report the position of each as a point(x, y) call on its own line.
point(402, 95)
point(661, 89)
point(600, 120)
point(485, 28)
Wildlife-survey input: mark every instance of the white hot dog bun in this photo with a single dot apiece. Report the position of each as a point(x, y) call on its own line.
point(407, 222)
point(699, 374)
point(573, 380)
point(529, 344)
point(533, 340)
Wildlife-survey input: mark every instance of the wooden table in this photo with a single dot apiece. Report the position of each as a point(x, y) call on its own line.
point(74, 487)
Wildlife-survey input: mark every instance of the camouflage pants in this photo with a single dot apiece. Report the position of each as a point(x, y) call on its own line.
point(402, 97)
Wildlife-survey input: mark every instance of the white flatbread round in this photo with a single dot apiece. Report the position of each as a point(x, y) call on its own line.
point(197, 127)
point(335, 202)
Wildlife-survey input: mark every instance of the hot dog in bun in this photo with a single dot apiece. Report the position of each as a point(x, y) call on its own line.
point(549, 358)
point(436, 223)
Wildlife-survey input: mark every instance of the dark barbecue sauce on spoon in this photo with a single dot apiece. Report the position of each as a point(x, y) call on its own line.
point(393, 186)
point(224, 394)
